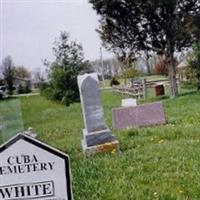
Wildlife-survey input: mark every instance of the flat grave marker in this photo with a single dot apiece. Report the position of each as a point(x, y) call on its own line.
point(129, 102)
point(139, 116)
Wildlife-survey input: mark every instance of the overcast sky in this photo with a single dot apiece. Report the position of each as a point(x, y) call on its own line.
point(29, 27)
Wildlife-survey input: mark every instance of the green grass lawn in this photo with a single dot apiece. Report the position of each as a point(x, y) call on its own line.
point(11, 121)
point(160, 162)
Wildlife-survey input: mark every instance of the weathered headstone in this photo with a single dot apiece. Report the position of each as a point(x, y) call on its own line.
point(129, 102)
point(139, 116)
point(31, 170)
point(97, 137)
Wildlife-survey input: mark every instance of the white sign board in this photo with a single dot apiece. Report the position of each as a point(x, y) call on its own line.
point(30, 169)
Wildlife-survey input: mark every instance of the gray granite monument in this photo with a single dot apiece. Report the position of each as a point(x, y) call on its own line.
point(97, 137)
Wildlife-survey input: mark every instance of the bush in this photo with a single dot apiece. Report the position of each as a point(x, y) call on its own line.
point(24, 89)
point(190, 74)
point(67, 97)
point(48, 93)
point(20, 89)
point(42, 86)
point(161, 68)
point(45, 90)
point(194, 63)
point(27, 88)
point(190, 84)
point(114, 81)
point(131, 73)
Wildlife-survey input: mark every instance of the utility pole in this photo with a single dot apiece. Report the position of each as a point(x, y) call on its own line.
point(101, 58)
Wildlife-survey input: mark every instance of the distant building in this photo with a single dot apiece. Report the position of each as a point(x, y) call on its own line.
point(24, 84)
point(21, 81)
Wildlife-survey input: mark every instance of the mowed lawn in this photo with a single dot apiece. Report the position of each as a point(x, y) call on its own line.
point(160, 162)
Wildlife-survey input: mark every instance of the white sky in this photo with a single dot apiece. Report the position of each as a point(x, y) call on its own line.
point(28, 29)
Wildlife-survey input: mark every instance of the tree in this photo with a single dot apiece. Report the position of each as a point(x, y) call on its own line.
point(22, 72)
point(69, 62)
point(118, 43)
point(20, 89)
point(138, 25)
point(8, 73)
point(194, 63)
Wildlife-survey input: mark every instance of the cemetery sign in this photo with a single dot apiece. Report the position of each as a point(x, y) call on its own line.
point(30, 169)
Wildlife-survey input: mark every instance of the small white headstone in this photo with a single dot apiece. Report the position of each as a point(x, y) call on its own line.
point(129, 102)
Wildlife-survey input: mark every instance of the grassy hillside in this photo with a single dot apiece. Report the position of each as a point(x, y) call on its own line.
point(159, 162)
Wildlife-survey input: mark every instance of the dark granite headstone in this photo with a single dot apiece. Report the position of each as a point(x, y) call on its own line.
point(139, 116)
point(93, 111)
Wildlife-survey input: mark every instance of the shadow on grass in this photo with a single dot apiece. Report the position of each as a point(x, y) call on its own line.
point(8, 99)
point(164, 97)
point(167, 97)
point(153, 99)
point(189, 93)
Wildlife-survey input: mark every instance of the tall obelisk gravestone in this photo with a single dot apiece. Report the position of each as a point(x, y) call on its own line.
point(97, 137)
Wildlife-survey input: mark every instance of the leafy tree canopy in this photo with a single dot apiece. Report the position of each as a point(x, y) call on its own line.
point(163, 26)
point(8, 73)
point(146, 24)
point(22, 72)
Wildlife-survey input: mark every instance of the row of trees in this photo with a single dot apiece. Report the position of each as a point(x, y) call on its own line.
point(129, 28)
point(11, 74)
point(166, 26)
point(61, 82)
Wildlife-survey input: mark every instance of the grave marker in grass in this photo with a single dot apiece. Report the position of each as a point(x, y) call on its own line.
point(129, 102)
point(139, 116)
point(97, 137)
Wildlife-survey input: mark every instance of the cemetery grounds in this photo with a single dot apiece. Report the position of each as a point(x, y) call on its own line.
point(159, 162)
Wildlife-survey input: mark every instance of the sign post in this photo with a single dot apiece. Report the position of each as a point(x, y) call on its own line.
point(30, 169)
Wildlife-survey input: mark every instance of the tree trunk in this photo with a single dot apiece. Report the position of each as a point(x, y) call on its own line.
point(124, 74)
point(198, 85)
point(148, 67)
point(172, 76)
point(198, 81)
point(147, 63)
point(198, 67)
point(126, 65)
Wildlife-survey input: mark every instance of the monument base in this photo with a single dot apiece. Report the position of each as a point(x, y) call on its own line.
point(112, 147)
point(98, 137)
point(99, 142)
